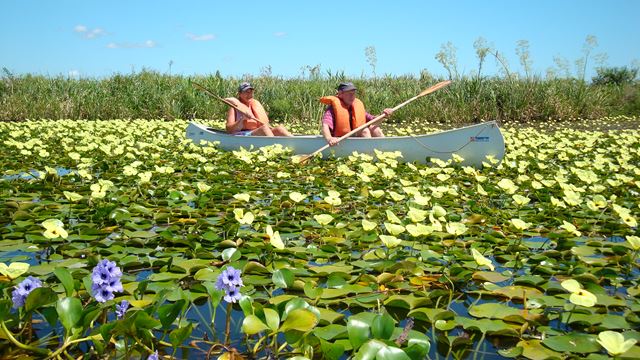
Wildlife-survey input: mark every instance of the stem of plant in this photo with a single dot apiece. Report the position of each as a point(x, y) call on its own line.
point(227, 330)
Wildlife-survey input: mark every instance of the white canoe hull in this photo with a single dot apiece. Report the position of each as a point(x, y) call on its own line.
point(473, 143)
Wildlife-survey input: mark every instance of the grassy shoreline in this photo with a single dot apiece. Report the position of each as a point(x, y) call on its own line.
point(152, 95)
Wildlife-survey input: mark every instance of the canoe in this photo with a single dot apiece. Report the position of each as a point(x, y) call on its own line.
point(473, 143)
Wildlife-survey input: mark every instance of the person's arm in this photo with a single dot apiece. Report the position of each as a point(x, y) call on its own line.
point(234, 126)
point(326, 132)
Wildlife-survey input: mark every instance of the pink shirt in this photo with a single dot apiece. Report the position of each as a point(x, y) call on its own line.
point(327, 118)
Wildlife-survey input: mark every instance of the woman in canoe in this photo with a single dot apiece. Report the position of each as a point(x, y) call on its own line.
point(344, 113)
point(238, 123)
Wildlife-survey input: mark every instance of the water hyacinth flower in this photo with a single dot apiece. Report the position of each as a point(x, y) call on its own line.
point(230, 281)
point(54, 229)
point(106, 280)
point(19, 295)
point(614, 342)
point(153, 356)
point(121, 309)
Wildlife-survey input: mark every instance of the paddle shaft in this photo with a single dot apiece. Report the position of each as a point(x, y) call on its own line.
point(379, 118)
point(206, 91)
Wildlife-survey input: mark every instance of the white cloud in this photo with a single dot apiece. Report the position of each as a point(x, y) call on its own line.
point(147, 44)
point(280, 34)
point(204, 37)
point(87, 33)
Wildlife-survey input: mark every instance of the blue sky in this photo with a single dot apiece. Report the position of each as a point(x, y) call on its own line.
point(100, 38)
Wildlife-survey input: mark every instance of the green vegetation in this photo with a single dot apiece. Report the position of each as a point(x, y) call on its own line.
point(362, 257)
point(148, 95)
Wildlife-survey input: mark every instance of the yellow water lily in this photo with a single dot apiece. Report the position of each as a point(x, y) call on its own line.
point(481, 260)
point(242, 217)
point(508, 186)
point(614, 342)
point(421, 200)
point(242, 197)
point(395, 196)
point(457, 158)
point(456, 228)
point(394, 229)
point(14, 270)
point(439, 212)
point(417, 215)
point(323, 219)
point(376, 193)
point(274, 238)
point(569, 227)
point(579, 296)
point(520, 200)
point(481, 190)
point(520, 224)
point(392, 217)
point(71, 196)
point(368, 225)
point(419, 229)
point(333, 198)
point(145, 177)
point(202, 187)
point(296, 196)
point(54, 229)
point(634, 241)
point(390, 241)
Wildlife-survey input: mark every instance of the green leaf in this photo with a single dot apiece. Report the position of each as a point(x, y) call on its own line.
point(391, 353)
point(40, 297)
point(66, 279)
point(253, 325)
point(382, 326)
point(167, 313)
point(331, 351)
point(272, 318)
point(145, 321)
point(231, 254)
point(282, 278)
point(69, 311)
point(300, 319)
point(369, 350)
point(359, 332)
point(575, 343)
point(179, 335)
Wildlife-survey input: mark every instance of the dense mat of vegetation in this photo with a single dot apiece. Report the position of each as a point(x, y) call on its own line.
point(151, 95)
point(121, 238)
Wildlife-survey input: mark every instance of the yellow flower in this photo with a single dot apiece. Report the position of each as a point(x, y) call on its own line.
point(520, 200)
point(71, 196)
point(508, 186)
point(417, 215)
point(145, 177)
point(457, 158)
point(274, 238)
point(203, 187)
point(419, 229)
point(614, 342)
point(481, 260)
point(438, 212)
point(634, 241)
point(520, 224)
point(394, 229)
point(323, 219)
point(376, 193)
point(368, 225)
point(456, 228)
point(296, 196)
point(395, 196)
point(242, 197)
point(579, 296)
point(54, 229)
point(14, 270)
point(333, 200)
point(392, 217)
point(390, 241)
point(481, 190)
point(242, 218)
point(421, 200)
point(569, 227)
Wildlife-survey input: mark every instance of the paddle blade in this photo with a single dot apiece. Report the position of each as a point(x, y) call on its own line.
point(435, 87)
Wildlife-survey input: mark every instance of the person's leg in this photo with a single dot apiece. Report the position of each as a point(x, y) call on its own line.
point(280, 131)
point(376, 131)
point(263, 130)
point(365, 133)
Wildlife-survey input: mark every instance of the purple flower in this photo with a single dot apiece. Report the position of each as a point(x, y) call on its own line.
point(153, 356)
point(19, 295)
point(106, 280)
point(121, 309)
point(233, 294)
point(231, 277)
point(230, 281)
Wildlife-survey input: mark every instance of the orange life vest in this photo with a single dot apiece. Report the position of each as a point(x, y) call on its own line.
point(255, 108)
point(341, 121)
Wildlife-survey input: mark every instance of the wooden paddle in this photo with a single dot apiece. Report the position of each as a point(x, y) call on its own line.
point(378, 119)
point(247, 114)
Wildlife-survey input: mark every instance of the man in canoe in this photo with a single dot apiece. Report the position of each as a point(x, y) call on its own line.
point(240, 123)
point(344, 113)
